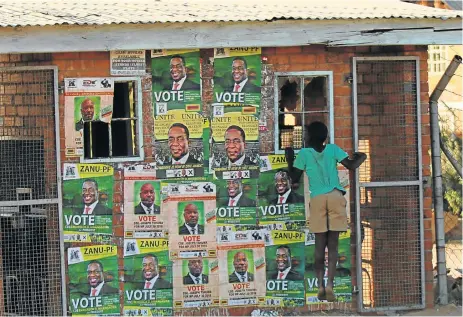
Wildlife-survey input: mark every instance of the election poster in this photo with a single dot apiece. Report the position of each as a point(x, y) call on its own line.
point(148, 278)
point(235, 146)
point(176, 80)
point(196, 282)
point(280, 204)
point(343, 276)
point(87, 202)
point(128, 62)
point(241, 272)
point(93, 281)
point(140, 171)
point(284, 254)
point(190, 209)
point(237, 80)
point(87, 101)
point(143, 216)
point(240, 233)
point(179, 150)
point(236, 201)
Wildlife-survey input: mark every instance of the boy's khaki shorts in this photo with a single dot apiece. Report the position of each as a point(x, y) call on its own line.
point(328, 212)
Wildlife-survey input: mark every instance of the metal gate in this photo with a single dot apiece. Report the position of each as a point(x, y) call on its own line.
point(389, 213)
point(31, 249)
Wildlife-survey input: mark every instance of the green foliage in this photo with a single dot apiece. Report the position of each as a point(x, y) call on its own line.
point(451, 180)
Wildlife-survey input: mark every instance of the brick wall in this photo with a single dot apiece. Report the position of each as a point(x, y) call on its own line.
point(307, 58)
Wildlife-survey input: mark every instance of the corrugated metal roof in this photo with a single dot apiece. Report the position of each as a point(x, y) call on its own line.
point(100, 12)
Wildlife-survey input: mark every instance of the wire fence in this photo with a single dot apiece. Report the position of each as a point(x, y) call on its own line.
point(451, 122)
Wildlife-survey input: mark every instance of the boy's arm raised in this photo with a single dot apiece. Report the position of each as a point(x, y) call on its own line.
point(294, 172)
point(355, 162)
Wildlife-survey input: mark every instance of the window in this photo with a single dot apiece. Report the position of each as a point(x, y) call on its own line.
point(120, 140)
point(301, 98)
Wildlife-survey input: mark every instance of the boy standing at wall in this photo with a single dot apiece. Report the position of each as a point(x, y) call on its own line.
point(328, 215)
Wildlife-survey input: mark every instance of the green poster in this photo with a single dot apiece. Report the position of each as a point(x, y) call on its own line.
point(343, 277)
point(236, 201)
point(148, 277)
point(237, 80)
point(93, 280)
point(87, 202)
point(284, 256)
point(176, 81)
point(280, 204)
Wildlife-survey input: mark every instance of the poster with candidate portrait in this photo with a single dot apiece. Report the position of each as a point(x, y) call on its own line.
point(343, 276)
point(236, 201)
point(237, 80)
point(87, 202)
point(142, 209)
point(241, 272)
point(147, 278)
point(93, 280)
point(180, 151)
point(196, 282)
point(235, 146)
point(284, 256)
point(176, 80)
point(190, 209)
point(281, 205)
point(86, 100)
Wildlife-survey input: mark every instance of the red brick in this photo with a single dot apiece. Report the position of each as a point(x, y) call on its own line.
point(288, 50)
point(302, 59)
point(67, 56)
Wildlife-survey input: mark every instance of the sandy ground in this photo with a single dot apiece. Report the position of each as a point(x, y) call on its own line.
point(448, 310)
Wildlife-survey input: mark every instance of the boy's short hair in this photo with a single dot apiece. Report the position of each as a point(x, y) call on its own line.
point(317, 131)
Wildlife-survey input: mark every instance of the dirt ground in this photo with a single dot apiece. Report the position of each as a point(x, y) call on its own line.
point(447, 310)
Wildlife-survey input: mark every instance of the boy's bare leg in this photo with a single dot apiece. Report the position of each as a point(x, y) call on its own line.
point(320, 245)
point(333, 241)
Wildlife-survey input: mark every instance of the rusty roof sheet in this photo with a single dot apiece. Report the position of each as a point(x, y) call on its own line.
point(103, 12)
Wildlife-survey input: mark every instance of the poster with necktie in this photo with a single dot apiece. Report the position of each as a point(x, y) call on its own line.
point(343, 276)
point(190, 209)
point(181, 145)
point(285, 265)
point(235, 146)
point(237, 80)
point(241, 271)
point(236, 201)
point(87, 202)
point(196, 282)
point(142, 208)
point(176, 79)
point(93, 280)
point(148, 278)
point(281, 203)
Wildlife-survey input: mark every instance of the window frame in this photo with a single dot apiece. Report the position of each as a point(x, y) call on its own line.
point(139, 122)
point(330, 96)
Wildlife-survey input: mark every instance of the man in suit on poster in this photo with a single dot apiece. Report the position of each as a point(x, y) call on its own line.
point(179, 75)
point(284, 268)
point(146, 205)
point(87, 111)
point(235, 144)
point(191, 217)
point(195, 274)
point(240, 274)
point(96, 281)
point(240, 77)
point(90, 196)
point(285, 194)
point(179, 145)
point(236, 197)
point(151, 277)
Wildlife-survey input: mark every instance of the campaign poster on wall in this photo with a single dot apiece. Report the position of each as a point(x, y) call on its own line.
point(284, 254)
point(140, 171)
point(143, 216)
point(128, 62)
point(236, 201)
point(241, 272)
point(190, 209)
point(87, 202)
point(235, 146)
point(86, 100)
point(148, 278)
point(237, 80)
point(343, 277)
point(176, 80)
point(280, 205)
point(93, 280)
point(181, 139)
point(196, 282)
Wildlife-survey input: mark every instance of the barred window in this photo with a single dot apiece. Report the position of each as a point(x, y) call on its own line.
point(120, 140)
point(303, 97)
